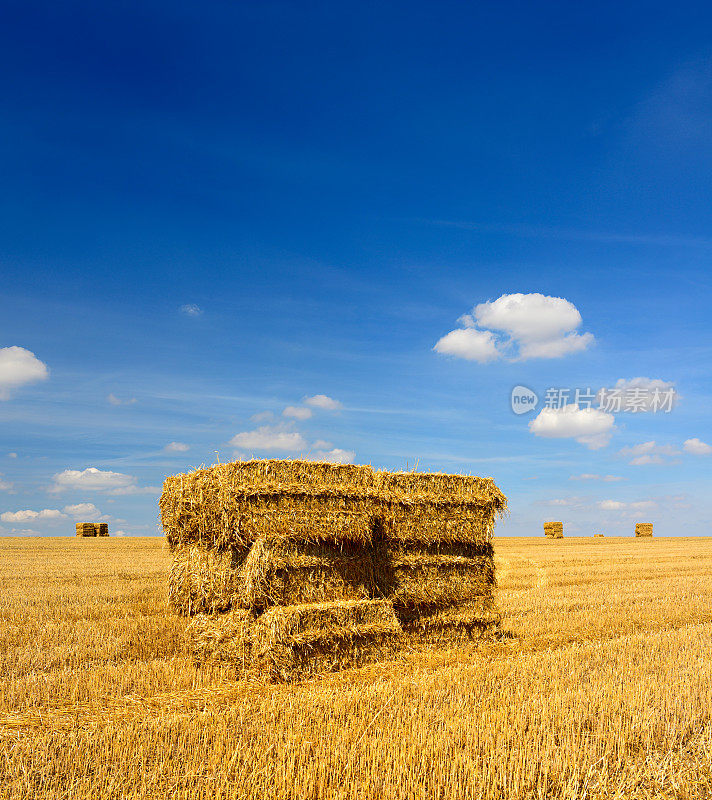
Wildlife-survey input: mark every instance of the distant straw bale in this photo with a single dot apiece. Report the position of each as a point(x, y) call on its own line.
point(86, 529)
point(643, 528)
point(266, 546)
point(597, 535)
point(554, 530)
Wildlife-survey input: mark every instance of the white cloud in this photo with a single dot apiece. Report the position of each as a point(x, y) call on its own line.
point(96, 480)
point(12, 455)
point(643, 504)
point(649, 453)
point(323, 402)
point(297, 412)
point(697, 447)
point(82, 510)
point(120, 533)
point(27, 514)
point(322, 444)
point(649, 394)
point(270, 437)
point(589, 426)
point(117, 401)
point(529, 326)
point(335, 456)
point(611, 505)
point(470, 344)
point(5, 486)
point(587, 476)
point(644, 383)
point(17, 368)
point(191, 310)
point(176, 447)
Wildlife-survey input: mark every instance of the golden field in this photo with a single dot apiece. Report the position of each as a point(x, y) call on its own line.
point(600, 685)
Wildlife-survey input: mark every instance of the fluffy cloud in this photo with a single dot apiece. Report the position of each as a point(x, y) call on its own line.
point(335, 456)
point(28, 514)
point(176, 447)
point(696, 447)
point(323, 402)
point(587, 476)
point(297, 412)
point(611, 505)
point(526, 325)
point(120, 533)
point(649, 453)
point(191, 310)
point(5, 486)
point(117, 401)
point(470, 344)
point(97, 480)
point(589, 426)
point(82, 510)
point(270, 437)
point(17, 368)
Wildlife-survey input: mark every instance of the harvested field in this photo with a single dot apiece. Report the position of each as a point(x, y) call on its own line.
point(600, 688)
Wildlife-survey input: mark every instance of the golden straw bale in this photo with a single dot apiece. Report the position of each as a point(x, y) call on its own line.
point(103, 529)
point(239, 502)
point(291, 642)
point(85, 529)
point(643, 528)
point(554, 530)
point(425, 577)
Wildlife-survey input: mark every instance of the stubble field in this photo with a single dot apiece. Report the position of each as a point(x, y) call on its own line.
point(600, 685)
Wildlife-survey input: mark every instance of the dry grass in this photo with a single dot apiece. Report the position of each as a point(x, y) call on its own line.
point(602, 687)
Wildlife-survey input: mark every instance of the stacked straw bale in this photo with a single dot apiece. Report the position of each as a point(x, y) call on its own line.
point(643, 528)
point(297, 566)
point(597, 535)
point(554, 530)
point(92, 529)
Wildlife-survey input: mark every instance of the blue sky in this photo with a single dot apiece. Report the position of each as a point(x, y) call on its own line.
point(215, 212)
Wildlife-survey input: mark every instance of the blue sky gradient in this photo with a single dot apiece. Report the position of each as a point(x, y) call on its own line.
point(328, 188)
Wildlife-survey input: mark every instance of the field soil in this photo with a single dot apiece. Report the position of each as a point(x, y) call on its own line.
point(598, 685)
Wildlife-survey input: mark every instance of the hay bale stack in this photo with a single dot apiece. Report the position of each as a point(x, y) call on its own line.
point(597, 535)
point(554, 530)
point(92, 529)
point(643, 528)
point(254, 541)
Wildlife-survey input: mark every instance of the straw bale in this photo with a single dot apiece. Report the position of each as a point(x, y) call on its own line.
point(597, 535)
point(240, 502)
point(205, 580)
point(427, 522)
point(295, 641)
point(554, 530)
point(86, 529)
point(454, 623)
point(223, 638)
point(103, 529)
point(643, 528)
point(425, 577)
